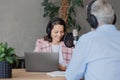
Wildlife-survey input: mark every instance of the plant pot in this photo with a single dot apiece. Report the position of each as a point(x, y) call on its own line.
point(5, 69)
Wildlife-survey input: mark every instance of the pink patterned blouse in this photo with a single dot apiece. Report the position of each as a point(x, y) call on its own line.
point(45, 46)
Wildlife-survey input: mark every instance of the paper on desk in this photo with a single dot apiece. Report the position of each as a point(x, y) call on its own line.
point(56, 73)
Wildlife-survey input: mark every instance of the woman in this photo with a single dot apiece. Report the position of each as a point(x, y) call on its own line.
point(53, 42)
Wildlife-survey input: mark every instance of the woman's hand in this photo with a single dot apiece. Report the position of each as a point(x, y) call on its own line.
point(62, 67)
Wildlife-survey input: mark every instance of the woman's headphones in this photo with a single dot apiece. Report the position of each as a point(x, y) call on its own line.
point(48, 29)
point(92, 20)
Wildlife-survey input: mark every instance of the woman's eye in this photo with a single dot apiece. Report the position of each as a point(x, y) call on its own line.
point(59, 32)
point(56, 32)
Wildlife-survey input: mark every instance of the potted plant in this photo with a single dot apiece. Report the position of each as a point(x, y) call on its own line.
point(64, 9)
point(7, 57)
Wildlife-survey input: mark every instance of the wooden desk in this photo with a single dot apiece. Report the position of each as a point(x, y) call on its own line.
point(21, 74)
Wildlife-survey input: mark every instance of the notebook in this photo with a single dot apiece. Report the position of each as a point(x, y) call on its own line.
point(41, 61)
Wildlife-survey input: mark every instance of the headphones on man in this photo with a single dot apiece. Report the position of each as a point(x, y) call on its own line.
point(92, 20)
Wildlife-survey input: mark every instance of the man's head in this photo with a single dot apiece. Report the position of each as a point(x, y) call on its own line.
point(100, 12)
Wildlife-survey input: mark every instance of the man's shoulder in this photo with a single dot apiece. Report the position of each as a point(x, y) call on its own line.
point(89, 35)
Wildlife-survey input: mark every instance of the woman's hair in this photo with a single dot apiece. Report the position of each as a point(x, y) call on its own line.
point(103, 11)
point(51, 24)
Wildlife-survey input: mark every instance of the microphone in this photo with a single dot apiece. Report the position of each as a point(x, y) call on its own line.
point(75, 36)
point(71, 38)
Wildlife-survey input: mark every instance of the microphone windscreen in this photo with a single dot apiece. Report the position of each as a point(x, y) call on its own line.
point(68, 40)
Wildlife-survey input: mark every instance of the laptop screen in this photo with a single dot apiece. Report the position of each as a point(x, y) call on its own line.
point(41, 61)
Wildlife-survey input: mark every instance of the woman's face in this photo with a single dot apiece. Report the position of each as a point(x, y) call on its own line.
point(57, 33)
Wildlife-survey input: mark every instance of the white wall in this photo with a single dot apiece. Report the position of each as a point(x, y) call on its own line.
point(21, 23)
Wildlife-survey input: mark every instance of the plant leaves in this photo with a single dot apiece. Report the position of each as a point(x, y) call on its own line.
point(9, 59)
point(2, 55)
point(7, 53)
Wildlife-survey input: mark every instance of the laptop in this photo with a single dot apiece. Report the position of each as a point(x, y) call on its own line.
point(41, 61)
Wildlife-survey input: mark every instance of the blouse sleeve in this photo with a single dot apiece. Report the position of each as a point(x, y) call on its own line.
point(38, 45)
